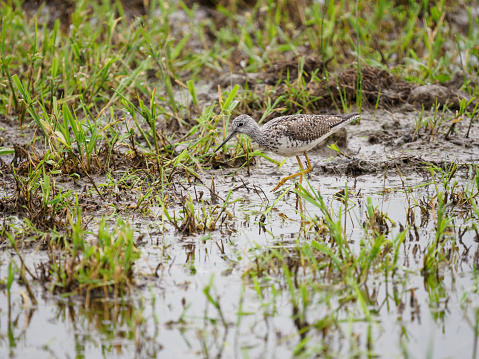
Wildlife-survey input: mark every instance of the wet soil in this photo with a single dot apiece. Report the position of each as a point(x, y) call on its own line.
point(380, 144)
point(185, 265)
point(391, 145)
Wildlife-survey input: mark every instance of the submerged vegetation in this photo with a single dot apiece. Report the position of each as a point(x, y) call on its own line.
point(117, 216)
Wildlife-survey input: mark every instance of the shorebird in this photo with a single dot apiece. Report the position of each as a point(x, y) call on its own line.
point(290, 135)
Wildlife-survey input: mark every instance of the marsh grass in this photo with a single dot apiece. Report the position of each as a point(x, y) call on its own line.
point(117, 122)
point(329, 274)
point(134, 64)
point(102, 267)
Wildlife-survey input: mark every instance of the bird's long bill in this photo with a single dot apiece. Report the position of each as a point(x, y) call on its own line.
point(226, 140)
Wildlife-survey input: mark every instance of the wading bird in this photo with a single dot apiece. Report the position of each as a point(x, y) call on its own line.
point(290, 135)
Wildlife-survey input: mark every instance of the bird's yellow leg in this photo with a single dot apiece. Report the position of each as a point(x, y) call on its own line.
point(303, 171)
point(299, 203)
point(310, 167)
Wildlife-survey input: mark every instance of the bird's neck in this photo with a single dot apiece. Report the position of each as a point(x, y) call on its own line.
point(257, 135)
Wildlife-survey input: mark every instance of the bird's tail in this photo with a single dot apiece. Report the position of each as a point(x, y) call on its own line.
point(350, 117)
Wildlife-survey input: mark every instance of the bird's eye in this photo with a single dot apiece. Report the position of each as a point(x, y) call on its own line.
point(240, 124)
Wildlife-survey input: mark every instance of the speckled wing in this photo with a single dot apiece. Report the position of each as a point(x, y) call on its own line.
point(306, 128)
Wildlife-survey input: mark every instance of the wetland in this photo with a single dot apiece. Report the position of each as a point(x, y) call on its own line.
point(123, 235)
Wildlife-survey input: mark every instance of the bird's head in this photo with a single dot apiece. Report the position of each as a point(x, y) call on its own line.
point(241, 124)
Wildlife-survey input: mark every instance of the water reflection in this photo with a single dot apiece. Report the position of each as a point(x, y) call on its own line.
point(256, 291)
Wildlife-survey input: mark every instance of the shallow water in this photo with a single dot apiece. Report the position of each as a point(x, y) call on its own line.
point(170, 316)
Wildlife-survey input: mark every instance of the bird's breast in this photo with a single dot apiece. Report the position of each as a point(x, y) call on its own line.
point(287, 146)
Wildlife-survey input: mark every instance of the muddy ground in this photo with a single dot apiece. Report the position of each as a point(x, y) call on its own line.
point(381, 143)
point(196, 290)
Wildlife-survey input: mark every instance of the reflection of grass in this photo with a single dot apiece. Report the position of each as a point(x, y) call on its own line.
point(79, 265)
point(121, 120)
point(102, 268)
point(328, 280)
